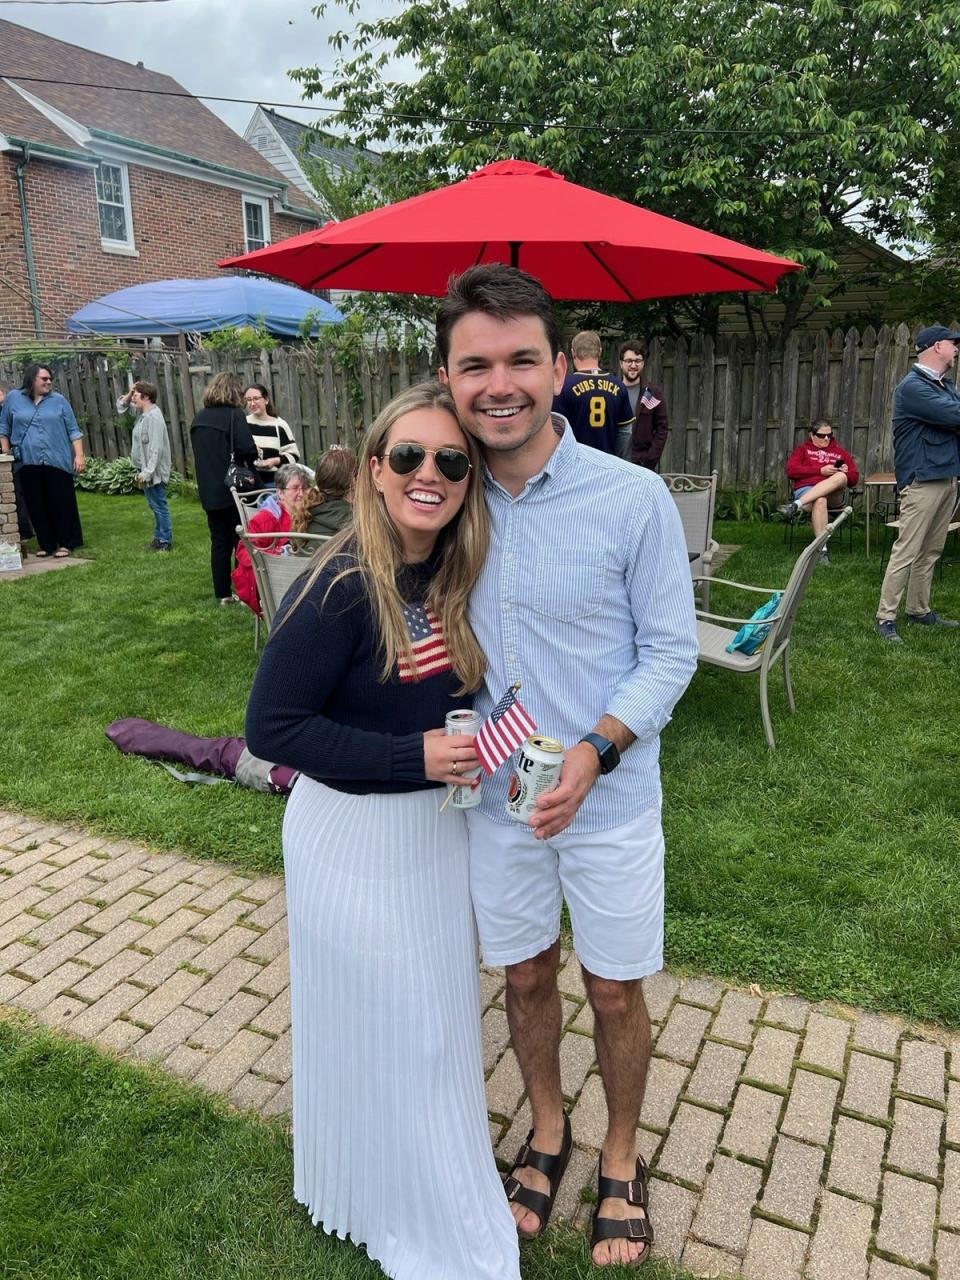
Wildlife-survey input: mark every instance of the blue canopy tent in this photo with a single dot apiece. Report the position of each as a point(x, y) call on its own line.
point(201, 306)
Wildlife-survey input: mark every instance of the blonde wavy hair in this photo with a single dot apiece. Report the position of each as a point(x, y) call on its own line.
point(374, 547)
point(224, 388)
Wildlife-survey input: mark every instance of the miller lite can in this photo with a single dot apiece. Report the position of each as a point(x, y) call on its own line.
point(466, 796)
point(536, 771)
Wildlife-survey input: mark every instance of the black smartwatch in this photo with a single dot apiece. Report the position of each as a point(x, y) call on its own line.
point(605, 749)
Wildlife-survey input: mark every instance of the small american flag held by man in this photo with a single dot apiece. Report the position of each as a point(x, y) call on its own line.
point(648, 399)
point(427, 644)
point(507, 725)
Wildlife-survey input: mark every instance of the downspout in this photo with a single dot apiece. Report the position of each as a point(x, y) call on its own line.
point(28, 242)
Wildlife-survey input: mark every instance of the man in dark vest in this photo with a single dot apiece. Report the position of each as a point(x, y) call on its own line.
point(651, 427)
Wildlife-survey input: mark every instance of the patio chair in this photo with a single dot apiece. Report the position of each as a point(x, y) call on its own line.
point(275, 574)
point(695, 498)
point(714, 637)
point(247, 503)
point(845, 498)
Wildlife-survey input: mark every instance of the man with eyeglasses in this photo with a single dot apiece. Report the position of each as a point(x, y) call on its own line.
point(651, 427)
point(926, 459)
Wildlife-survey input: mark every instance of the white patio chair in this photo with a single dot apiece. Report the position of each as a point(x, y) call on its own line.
point(274, 573)
point(714, 638)
point(247, 503)
point(696, 497)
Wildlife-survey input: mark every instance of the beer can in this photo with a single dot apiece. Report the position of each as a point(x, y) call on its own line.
point(536, 771)
point(466, 796)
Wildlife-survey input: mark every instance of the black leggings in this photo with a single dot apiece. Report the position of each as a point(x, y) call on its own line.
point(223, 541)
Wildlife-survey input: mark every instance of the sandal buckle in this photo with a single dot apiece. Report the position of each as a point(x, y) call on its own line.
point(511, 1186)
point(637, 1192)
point(639, 1229)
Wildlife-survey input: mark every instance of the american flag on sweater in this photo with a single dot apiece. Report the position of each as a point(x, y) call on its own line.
point(507, 725)
point(429, 649)
point(648, 399)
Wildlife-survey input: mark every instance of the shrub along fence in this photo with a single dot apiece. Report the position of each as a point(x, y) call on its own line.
point(735, 404)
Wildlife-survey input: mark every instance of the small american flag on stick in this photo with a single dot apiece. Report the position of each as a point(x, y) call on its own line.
point(507, 725)
point(648, 399)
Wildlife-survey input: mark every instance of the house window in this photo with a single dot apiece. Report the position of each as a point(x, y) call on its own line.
point(113, 206)
point(256, 223)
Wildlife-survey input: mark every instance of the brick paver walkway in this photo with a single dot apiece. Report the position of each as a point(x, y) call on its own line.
point(786, 1139)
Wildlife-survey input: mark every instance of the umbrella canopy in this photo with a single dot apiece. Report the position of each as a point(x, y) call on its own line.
point(201, 306)
point(578, 242)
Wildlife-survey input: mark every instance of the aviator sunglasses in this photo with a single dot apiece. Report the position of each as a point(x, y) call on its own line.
point(406, 457)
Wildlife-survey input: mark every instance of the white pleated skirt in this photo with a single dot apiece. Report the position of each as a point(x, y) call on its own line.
point(391, 1143)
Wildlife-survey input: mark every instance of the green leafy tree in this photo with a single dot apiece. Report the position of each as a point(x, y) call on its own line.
point(392, 320)
point(784, 125)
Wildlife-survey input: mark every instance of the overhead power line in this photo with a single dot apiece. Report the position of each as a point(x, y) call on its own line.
point(605, 128)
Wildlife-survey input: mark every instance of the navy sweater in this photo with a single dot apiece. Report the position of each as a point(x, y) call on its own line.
point(318, 704)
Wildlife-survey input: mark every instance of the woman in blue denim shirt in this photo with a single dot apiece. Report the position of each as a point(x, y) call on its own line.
point(38, 425)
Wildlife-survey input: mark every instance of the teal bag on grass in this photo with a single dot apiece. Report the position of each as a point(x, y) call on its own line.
point(752, 635)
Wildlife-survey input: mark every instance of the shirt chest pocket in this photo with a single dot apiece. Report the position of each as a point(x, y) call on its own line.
point(568, 584)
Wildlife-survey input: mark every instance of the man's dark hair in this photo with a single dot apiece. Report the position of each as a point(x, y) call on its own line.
point(633, 344)
point(146, 389)
point(30, 377)
point(499, 291)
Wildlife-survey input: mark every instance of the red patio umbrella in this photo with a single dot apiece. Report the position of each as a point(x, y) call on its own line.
point(579, 243)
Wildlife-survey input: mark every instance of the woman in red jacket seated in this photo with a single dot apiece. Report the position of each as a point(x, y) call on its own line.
point(820, 471)
point(275, 516)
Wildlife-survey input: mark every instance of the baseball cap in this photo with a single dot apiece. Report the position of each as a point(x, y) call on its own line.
point(935, 333)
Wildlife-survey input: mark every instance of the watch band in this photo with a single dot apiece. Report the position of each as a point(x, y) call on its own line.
point(605, 749)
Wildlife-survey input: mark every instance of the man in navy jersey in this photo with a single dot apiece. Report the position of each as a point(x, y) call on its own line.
point(595, 404)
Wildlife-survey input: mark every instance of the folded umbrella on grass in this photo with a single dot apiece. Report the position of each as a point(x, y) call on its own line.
point(227, 758)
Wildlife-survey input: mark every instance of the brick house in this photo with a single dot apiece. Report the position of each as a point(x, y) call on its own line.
point(103, 187)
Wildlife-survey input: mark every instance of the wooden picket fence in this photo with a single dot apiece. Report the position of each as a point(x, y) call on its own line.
point(735, 404)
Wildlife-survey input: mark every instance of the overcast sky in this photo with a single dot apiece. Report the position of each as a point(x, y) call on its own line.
point(237, 48)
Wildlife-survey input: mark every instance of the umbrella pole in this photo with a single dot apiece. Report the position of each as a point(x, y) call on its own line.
point(189, 407)
point(515, 253)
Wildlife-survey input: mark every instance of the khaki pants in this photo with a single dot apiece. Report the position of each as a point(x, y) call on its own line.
point(925, 511)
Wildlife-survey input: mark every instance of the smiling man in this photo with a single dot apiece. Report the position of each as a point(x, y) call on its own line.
point(586, 600)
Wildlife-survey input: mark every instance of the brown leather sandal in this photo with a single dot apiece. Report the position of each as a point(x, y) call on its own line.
point(639, 1230)
point(552, 1168)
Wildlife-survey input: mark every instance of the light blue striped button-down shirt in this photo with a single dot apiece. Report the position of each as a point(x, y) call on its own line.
point(586, 599)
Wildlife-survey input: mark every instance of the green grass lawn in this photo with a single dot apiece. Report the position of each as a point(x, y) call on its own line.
point(828, 867)
point(111, 1171)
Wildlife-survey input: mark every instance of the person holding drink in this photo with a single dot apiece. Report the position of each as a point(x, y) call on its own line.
point(584, 603)
point(368, 656)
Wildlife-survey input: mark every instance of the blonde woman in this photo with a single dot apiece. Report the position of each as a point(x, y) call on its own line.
point(220, 423)
point(367, 656)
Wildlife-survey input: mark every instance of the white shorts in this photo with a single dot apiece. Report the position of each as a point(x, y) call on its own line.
point(612, 881)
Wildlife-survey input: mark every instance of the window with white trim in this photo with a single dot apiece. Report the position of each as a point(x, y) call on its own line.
point(256, 223)
point(113, 206)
